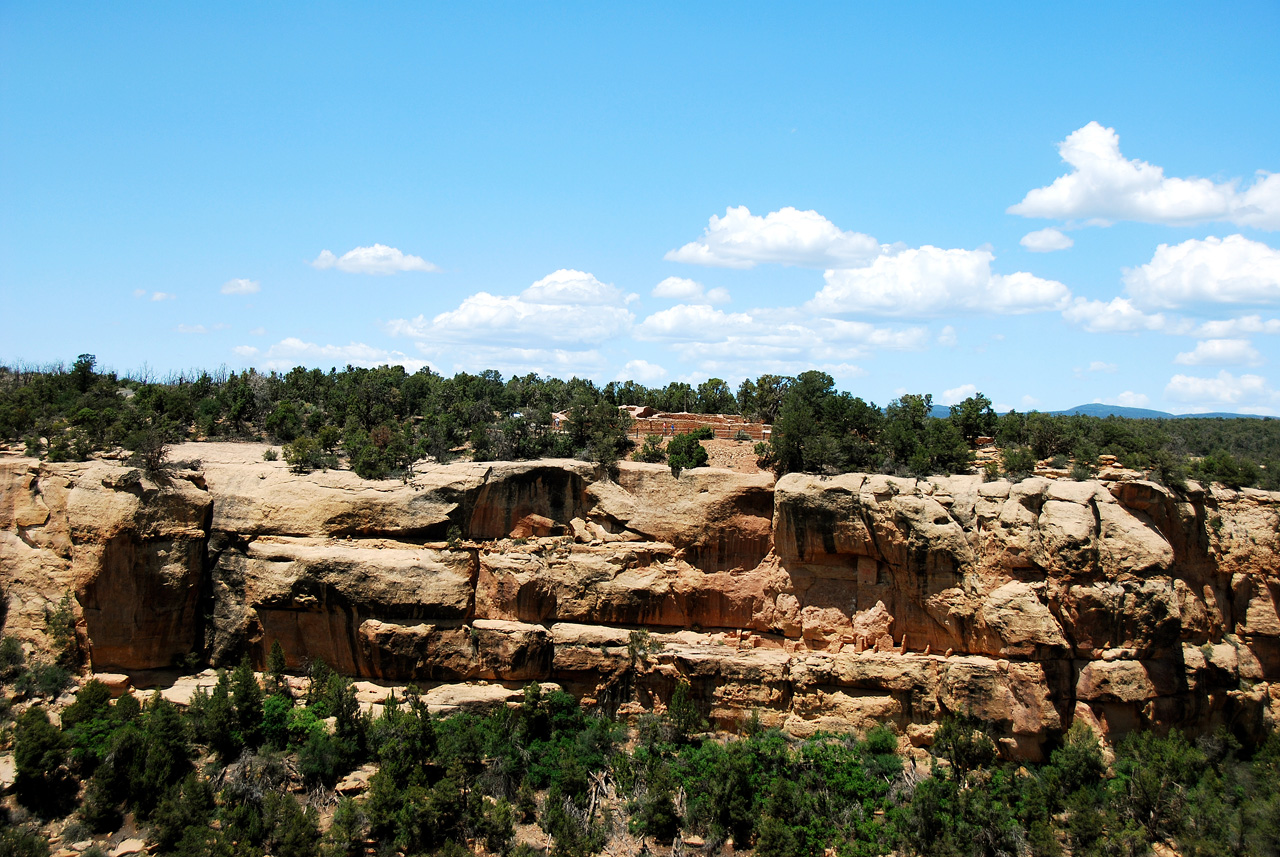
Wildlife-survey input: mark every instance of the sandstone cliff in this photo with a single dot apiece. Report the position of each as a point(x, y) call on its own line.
point(821, 603)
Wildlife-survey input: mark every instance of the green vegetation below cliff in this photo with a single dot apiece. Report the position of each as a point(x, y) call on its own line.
point(247, 769)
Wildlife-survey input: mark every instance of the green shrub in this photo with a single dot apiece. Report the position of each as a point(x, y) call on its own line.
point(320, 760)
point(188, 806)
point(683, 713)
point(60, 624)
point(651, 452)
point(42, 679)
point(655, 813)
point(347, 831)
point(277, 710)
point(683, 452)
point(303, 454)
point(150, 446)
point(12, 658)
point(1019, 462)
point(1081, 472)
point(41, 781)
point(23, 840)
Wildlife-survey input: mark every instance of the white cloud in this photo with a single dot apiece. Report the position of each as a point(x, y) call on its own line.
point(1220, 352)
point(956, 395)
point(483, 316)
point(947, 336)
point(1046, 241)
point(241, 287)
point(378, 259)
point(292, 351)
point(1128, 399)
point(1100, 366)
point(683, 289)
point(1219, 270)
point(861, 274)
point(930, 281)
point(155, 296)
point(678, 288)
point(246, 350)
point(258, 331)
point(641, 371)
point(694, 322)
point(1105, 186)
point(1029, 402)
point(1223, 389)
point(781, 340)
point(1235, 326)
point(564, 307)
point(191, 328)
point(569, 287)
point(788, 236)
point(1116, 316)
point(557, 362)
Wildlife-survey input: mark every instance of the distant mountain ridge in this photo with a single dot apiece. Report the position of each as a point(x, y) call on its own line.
point(1097, 409)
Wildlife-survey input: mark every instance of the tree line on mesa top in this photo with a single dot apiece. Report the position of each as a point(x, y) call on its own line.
point(378, 421)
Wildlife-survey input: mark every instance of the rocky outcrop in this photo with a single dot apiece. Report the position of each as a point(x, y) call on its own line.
point(818, 603)
point(130, 549)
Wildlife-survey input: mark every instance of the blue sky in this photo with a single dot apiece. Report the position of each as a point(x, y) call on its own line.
point(1050, 205)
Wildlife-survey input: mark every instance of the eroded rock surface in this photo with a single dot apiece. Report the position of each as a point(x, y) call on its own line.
point(820, 603)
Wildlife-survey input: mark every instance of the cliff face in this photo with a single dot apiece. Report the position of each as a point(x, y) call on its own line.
point(822, 603)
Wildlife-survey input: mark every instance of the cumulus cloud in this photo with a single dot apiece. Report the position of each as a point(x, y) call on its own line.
point(929, 280)
point(683, 289)
point(947, 336)
point(564, 307)
point(1216, 270)
point(155, 296)
point(557, 362)
point(784, 340)
point(641, 371)
point(568, 287)
point(1118, 315)
point(241, 286)
point(694, 322)
point(1046, 241)
point(1100, 366)
point(1230, 327)
point(956, 395)
point(678, 288)
point(378, 259)
point(1220, 352)
point(1223, 389)
point(1105, 186)
point(292, 351)
point(788, 236)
